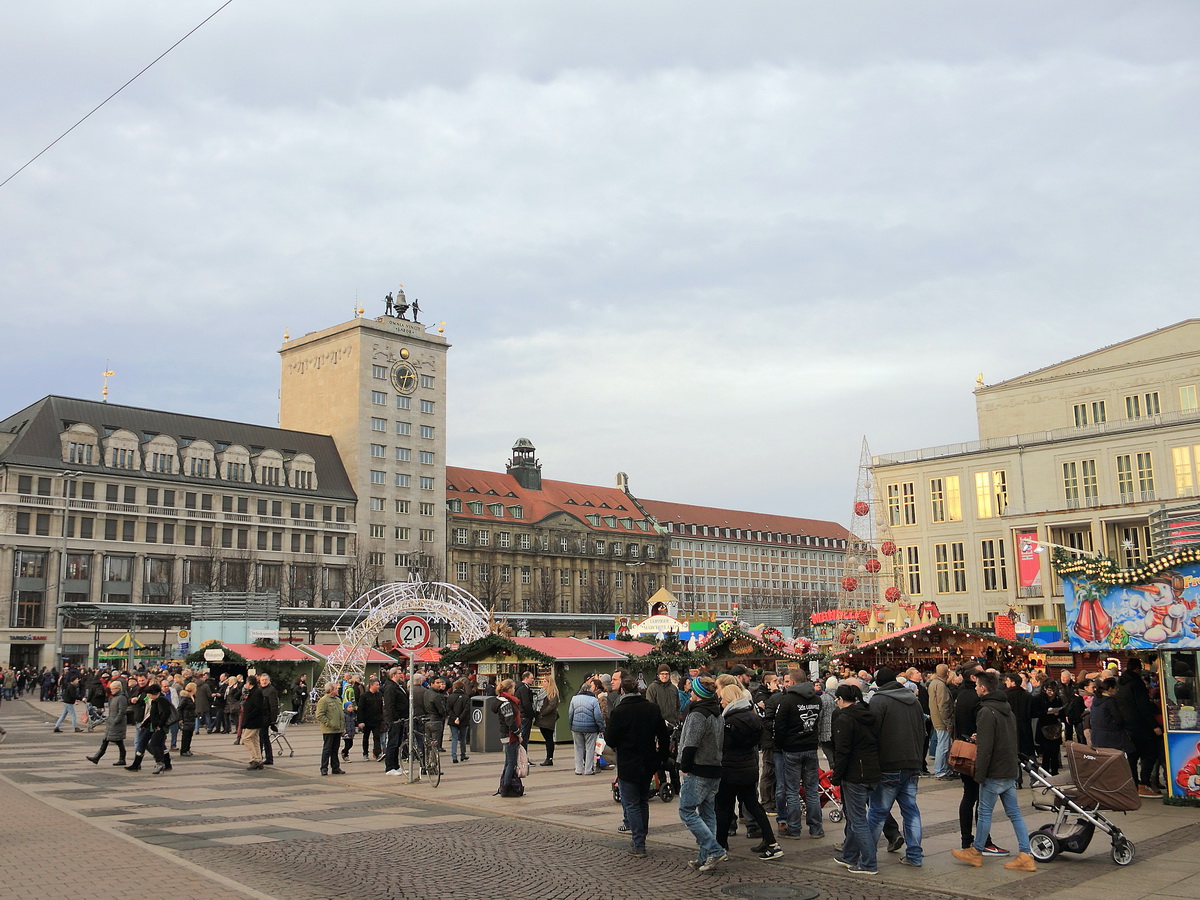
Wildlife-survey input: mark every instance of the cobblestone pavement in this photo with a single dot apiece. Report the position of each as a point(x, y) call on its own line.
point(287, 832)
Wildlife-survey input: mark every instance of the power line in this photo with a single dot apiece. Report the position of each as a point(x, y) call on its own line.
point(113, 94)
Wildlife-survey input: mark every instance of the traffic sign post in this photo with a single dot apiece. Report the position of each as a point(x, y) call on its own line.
point(412, 633)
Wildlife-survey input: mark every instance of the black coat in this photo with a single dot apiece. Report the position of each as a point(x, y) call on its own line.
point(856, 745)
point(460, 708)
point(743, 734)
point(370, 709)
point(255, 710)
point(1021, 704)
point(395, 703)
point(640, 736)
point(1137, 709)
point(796, 717)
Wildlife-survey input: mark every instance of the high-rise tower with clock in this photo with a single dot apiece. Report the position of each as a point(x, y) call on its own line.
point(378, 388)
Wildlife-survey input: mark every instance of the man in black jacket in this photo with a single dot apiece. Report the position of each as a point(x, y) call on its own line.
point(271, 695)
point(1021, 705)
point(70, 696)
point(640, 736)
point(370, 716)
point(901, 752)
point(524, 693)
point(966, 703)
point(996, 767)
point(1137, 709)
point(795, 734)
point(856, 769)
point(395, 719)
point(254, 717)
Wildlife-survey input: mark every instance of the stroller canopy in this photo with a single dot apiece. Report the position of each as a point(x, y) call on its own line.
point(1102, 777)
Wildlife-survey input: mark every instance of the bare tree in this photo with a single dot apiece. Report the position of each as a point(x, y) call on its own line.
point(362, 575)
point(543, 592)
point(301, 582)
point(488, 588)
point(598, 595)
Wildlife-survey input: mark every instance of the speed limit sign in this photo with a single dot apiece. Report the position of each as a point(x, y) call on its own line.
point(412, 633)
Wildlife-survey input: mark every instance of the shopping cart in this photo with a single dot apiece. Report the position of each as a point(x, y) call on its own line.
point(279, 735)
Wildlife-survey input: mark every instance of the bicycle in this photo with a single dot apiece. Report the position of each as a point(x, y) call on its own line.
point(428, 753)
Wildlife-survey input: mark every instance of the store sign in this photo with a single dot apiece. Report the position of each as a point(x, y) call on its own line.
point(1064, 659)
point(656, 624)
point(28, 637)
point(263, 634)
point(214, 655)
point(741, 647)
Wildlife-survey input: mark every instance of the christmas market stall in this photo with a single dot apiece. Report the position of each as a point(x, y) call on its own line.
point(375, 661)
point(733, 643)
point(1151, 610)
point(924, 646)
point(495, 657)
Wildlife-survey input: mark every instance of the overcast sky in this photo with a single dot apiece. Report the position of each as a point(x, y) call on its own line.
point(713, 245)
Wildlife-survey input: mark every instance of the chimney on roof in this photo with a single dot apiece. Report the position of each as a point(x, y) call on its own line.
point(623, 482)
point(524, 466)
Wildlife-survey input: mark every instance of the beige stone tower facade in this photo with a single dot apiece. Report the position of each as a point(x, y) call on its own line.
point(378, 388)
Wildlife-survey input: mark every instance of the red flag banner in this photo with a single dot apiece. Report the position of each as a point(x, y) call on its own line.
point(1029, 563)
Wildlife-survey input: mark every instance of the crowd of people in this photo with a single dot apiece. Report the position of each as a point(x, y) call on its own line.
point(749, 745)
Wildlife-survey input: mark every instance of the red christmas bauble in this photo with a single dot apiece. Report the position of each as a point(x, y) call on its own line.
point(888, 548)
point(892, 594)
point(849, 583)
point(861, 508)
point(872, 566)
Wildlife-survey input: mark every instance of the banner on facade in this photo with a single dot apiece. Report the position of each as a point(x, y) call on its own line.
point(1029, 563)
point(1162, 613)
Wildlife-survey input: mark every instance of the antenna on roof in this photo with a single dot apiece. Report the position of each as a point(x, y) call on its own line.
point(108, 373)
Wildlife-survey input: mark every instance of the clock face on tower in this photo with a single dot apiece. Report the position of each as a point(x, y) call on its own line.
point(404, 377)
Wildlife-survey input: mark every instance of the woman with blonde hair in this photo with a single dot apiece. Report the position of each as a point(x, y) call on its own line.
point(547, 717)
point(739, 770)
point(115, 723)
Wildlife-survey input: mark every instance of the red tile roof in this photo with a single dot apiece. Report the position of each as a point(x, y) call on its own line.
point(284, 653)
point(578, 500)
point(685, 514)
point(625, 648)
point(570, 649)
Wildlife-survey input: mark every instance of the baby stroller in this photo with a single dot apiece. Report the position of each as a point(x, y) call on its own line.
point(830, 794)
point(96, 716)
point(662, 784)
point(1100, 779)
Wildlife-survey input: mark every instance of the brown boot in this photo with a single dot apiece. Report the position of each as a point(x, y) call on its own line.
point(1022, 863)
point(969, 855)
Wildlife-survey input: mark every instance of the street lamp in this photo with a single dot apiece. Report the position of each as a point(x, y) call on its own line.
point(62, 569)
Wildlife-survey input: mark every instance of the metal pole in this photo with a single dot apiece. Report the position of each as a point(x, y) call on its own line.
point(413, 775)
point(67, 478)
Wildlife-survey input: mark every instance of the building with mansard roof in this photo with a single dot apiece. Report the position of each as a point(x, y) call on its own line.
point(108, 504)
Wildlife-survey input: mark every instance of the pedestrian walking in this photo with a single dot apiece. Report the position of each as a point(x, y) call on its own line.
point(966, 704)
point(70, 696)
point(586, 723)
point(856, 769)
point(187, 719)
point(271, 697)
point(115, 723)
point(254, 717)
point(996, 765)
point(700, 749)
point(902, 746)
point(640, 737)
point(739, 771)
point(331, 718)
point(795, 731)
point(370, 718)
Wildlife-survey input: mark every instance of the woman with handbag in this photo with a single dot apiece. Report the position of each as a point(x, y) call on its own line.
point(1048, 735)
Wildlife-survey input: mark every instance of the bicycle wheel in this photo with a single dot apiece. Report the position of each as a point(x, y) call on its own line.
point(433, 764)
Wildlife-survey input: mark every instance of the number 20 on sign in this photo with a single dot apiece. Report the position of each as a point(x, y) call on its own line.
point(412, 633)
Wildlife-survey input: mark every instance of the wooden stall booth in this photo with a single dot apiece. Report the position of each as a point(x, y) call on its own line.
point(731, 644)
point(925, 646)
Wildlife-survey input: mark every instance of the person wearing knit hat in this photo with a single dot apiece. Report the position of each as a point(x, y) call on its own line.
point(901, 753)
point(700, 746)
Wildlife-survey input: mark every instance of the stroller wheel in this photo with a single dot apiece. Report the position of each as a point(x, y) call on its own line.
point(665, 793)
point(1123, 851)
point(1044, 846)
point(834, 815)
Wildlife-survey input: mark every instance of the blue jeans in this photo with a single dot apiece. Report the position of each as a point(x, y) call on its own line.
point(902, 787)
point(698, 811)
point(858, 848)
point(800, 770)
point(1006, 790)
point(780, 794)
point(68, 710)
point(941, 753)
point(458, 735)
point(635, 802)
point(510, 764)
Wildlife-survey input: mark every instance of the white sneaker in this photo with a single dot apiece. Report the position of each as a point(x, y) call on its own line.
point(394, 772)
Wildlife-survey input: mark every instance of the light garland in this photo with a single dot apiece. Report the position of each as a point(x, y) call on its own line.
point(1106, 571)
